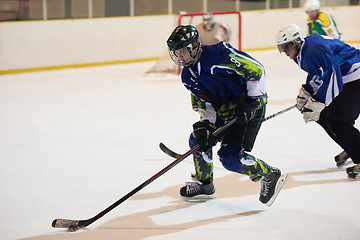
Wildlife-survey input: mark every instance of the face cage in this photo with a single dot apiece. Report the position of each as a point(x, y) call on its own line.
point(183, 57)
point(208, 24)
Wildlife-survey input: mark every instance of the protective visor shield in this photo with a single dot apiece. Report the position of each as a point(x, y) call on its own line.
point(285, 47)
point(186, 56)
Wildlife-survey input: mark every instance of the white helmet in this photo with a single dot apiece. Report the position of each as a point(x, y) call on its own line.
point(208, 21)
point(288, 34)
point(312, 5)
point(209, 16)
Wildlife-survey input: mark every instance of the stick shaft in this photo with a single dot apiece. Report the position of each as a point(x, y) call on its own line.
point(66, 223)
point(279, 112)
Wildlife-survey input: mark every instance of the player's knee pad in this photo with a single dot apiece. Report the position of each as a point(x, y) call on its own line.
point(229, 157)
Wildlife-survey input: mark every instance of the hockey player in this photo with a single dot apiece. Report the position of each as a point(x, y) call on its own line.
point(224, 83)
point(320, 23)
point(331, 94)
point(211, 32)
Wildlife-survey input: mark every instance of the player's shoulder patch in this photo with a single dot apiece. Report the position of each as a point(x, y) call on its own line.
point(324, 18)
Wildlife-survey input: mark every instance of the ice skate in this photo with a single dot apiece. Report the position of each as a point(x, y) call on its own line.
point(197, 191)
point(353, 172)
point(271, 185)
point(341, 158)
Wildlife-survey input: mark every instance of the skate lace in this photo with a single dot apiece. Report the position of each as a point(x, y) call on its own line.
point(265, 186)
point(192, 187)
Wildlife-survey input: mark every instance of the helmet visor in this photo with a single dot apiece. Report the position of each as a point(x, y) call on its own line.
point(286, 47)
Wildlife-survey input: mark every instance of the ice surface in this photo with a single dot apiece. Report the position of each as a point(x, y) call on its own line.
point(74, 141)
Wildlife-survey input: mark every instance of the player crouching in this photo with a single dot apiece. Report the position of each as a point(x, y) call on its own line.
point(331, 94)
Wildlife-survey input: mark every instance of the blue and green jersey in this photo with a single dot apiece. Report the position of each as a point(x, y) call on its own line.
point(222, 78)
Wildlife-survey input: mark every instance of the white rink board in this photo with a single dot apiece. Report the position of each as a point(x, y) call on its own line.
point(36, 44)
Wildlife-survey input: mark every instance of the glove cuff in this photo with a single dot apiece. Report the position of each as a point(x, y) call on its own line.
point(302, 98)
point(204, 124)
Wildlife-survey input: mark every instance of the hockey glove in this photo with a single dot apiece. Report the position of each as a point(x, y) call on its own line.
point(312, 109)
point(203, 135)
point(246, 111)
point(302, 98)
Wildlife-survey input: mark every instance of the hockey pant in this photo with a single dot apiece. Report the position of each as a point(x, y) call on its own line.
point(234, 142)
point(339, 117)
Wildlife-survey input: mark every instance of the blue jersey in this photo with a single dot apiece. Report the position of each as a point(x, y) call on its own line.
point(330, 63)
point(221, 78)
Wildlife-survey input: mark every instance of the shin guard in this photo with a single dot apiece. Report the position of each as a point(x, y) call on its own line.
point(252, 166)
point(203, 163)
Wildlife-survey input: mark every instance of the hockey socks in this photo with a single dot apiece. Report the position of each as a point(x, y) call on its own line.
point(253, 167)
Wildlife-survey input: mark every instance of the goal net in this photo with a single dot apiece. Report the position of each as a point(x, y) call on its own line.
point(231, 19)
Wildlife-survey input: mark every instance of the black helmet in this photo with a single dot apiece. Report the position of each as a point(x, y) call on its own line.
point(184, 39)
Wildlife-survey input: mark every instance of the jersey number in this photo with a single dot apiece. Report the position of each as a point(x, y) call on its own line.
point(237, 63)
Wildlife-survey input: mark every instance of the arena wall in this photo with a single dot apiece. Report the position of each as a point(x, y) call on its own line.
point(260, 27)
point(41, 45)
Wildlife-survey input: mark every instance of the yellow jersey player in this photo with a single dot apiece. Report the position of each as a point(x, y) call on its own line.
point(320, 23)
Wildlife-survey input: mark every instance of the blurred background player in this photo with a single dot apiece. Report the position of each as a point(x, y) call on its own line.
point(331, 94)
point(320, 23)
point(211, 32)
point(224, 83)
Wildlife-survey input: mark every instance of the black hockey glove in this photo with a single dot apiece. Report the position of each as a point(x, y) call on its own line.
point(246, 111)
point(203, 135)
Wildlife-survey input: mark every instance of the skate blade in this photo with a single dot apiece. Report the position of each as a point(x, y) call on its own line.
point(279, 186)
point(199, 198)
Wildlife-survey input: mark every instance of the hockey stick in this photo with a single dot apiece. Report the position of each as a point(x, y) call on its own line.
point(74, 225)
point(279, 112)
point(173, 154)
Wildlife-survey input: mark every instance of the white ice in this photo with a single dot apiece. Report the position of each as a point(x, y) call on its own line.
point(74, 141)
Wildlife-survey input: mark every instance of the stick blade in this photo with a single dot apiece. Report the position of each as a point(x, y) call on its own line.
point(169, 152)
point(65, 223)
